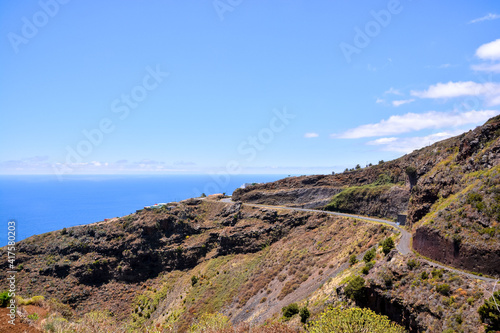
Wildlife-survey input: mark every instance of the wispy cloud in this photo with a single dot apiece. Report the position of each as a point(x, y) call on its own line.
point(489, 90)
point(393, 91)
point(409, 122)
point(488, 17)
point(494, 68)
point(311, 135)
point(406, 145)
point(380, 101)
point(402, 101)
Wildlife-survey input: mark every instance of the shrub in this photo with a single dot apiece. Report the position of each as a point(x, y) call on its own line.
point(35, 300)
point(4, 299)
point(443, 289)
point(412, 263)
point(33, 316)
point(437, 273)
point(194, 280)
point(355, 288)
point(367, 267)
point(489, 312)
point(369, 255)
point(424, 275)
point(304, 314)
point(383, 179)
point(353, 260)
point(387, 245)
point(353, 320)
point(290, 310)
point(386, 276)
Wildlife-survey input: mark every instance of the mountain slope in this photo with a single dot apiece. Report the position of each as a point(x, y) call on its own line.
point(451, 191)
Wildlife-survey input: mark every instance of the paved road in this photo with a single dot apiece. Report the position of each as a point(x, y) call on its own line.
point(404, 245)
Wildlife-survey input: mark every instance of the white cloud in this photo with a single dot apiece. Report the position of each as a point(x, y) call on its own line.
point(393, 91)
point(380, 101)
point(445, 66)
point(407, 145)
point(489, 90)
point(311, 135)
point(494, 68)
point(401, 102)
point(417, 121)
point(489, 50)
point(488, 17)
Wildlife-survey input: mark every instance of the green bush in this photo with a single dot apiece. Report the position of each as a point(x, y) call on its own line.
point(412, 263)
point(194, 280)
point(365, 270)
point(355, 288)
point(353, 260)
point(424, 275)
point(290, 310)
point(383, 179)
point(489, 312)
point(437, 273)
point(369, 255)
point(387, 245)
point(353, 320)
point(33, 316)
point(443, 289)
point(4, 299)
point(304, 314)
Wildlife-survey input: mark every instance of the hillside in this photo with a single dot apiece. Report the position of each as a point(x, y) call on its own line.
point(450, 191)
point(165, 269)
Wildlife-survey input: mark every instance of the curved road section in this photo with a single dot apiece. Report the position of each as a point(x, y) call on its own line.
point(403, 246)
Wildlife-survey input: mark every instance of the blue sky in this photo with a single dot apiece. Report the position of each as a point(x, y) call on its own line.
point(239, 86)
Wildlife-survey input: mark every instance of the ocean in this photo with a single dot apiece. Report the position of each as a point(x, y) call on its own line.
point(43, 203)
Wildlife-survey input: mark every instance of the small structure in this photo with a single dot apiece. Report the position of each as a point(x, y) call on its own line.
point(402, 219)
point(158, 205)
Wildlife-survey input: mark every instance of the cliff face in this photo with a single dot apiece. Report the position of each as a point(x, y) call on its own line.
point(431, 243)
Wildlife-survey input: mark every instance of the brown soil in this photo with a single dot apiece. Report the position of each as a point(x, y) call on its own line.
point(19, 326)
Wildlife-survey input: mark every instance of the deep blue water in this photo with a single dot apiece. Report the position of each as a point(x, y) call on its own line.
point(43, 203)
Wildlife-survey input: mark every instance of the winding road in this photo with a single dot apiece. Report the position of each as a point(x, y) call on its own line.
point(403, 246)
